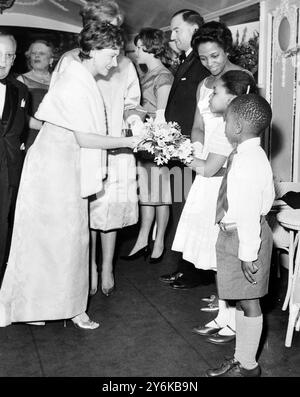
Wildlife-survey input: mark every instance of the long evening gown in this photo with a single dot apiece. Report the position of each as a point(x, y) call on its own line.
point(47, 271)
point(37, 91)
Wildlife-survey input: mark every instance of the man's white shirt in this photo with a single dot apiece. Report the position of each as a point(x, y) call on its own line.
point(2, 98)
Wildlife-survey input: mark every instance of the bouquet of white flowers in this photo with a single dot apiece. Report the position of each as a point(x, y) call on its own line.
point(165, 141)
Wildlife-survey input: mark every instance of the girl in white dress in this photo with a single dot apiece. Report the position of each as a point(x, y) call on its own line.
point(196, 234)
point(48, 267)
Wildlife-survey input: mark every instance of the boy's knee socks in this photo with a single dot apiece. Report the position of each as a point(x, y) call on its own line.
point(248, 334)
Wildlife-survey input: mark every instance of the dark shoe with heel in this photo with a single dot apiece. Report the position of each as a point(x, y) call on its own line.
point(170, 278)
point(143, 252)
point(158, 259)
point(184, 284)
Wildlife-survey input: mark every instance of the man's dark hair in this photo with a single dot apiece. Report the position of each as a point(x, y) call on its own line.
point(253, 109)
point(190, 16)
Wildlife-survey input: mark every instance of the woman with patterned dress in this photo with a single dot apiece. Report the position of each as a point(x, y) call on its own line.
point(153, 180)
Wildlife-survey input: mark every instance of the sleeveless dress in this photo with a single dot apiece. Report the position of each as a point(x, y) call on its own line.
point(116, 206)
point(37, 91)
point(196, 233)
point(153, 180)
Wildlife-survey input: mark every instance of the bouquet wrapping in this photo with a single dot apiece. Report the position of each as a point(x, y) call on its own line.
point(165, 141)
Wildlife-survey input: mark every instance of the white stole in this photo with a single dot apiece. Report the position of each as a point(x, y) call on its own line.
point(75, 103)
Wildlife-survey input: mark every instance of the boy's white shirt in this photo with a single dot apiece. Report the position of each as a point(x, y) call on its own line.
point(250, 194)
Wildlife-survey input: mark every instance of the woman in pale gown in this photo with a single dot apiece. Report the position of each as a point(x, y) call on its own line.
point(116, 205)
point(48, 267)
point(196, 234)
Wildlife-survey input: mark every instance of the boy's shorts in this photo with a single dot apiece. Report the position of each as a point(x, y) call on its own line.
point(232, 284)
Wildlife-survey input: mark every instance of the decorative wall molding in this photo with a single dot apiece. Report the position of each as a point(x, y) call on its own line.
point(284, 16)
point(213, 16)
point(37, 2)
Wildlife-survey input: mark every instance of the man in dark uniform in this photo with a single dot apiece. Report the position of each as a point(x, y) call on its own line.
point(181, 108)
point(13, 111)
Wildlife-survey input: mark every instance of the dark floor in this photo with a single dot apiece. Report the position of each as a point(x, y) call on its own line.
point(145, 331)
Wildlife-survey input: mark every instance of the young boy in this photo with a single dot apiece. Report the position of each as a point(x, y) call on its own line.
point(244, 243)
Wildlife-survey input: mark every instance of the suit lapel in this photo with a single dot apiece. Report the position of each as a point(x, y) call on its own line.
point(10, 106)
point(183, 68)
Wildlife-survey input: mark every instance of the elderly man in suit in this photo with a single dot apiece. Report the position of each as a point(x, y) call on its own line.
point(181, 108)
point(13, 112)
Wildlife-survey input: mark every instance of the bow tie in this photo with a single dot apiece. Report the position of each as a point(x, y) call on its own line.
point(182, 57)
point(3, 81)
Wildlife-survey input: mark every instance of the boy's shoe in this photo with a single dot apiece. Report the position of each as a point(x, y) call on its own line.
point(170, 278)
point(204, 330)
point(233, 369)
point(212, 307)
point(209, 299)
point(225, 335)
point(224, 367)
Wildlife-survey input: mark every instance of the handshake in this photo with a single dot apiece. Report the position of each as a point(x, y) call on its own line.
point(138, 128)
point(136, 133)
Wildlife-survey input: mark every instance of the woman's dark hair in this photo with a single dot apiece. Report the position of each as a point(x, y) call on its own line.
point(215, 32)
point(239, 82)
point(95, 36)
point(101, 11)
point(155, 42)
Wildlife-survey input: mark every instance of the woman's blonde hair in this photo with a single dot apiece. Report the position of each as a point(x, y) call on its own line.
point(47, 44)
point(101, 11)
